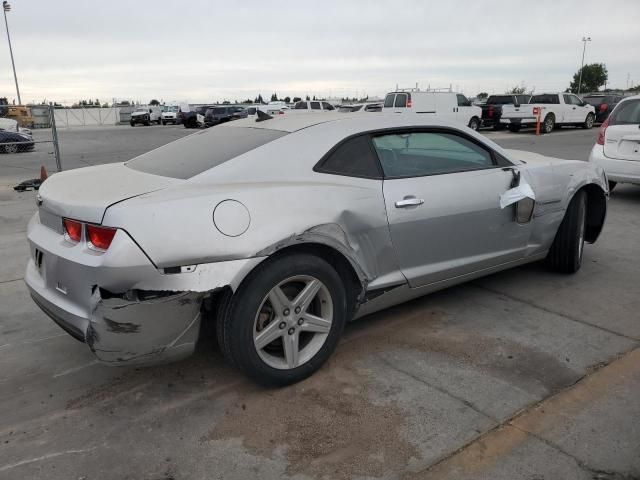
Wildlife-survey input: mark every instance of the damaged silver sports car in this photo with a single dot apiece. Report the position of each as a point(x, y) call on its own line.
point(283, 229)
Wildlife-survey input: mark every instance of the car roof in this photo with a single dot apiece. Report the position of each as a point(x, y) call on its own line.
point(292, 122)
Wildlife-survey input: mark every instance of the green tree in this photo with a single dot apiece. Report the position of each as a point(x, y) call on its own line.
point(594, 75)
point(518, 90)
point(154, 103)
point(482, 96)
point(274, 97)
point(287, 99)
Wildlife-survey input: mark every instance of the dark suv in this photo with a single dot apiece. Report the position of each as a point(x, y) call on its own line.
point(603, 103)
point(190, 119)
point(217, 115)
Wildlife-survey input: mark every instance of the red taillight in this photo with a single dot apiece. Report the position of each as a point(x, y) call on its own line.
point(603, 107)
point(72, 229)
point(601, 132)
point(491, 111)
point(100, 237)
point(409, 103)
point(281, 112)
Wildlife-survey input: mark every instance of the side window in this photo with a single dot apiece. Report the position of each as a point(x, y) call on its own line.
point(401, 100)
point(315, 105)
point(327, 106)
point(428, 153)
point(301, 106)
point(463, 101)
point(576, 100)
point(388, 100)
point(353, 158)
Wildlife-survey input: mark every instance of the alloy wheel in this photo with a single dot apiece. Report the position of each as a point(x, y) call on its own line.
point(293, 322)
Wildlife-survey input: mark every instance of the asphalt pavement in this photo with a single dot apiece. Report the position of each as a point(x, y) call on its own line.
point(525, 374)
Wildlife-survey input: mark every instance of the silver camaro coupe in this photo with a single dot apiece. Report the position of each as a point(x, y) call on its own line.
point(281, 230)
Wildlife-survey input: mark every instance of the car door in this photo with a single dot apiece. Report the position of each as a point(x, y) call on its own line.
point(464, 111)
point(441, 191)
point(571, 112)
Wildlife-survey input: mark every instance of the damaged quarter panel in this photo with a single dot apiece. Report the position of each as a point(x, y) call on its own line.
point(287, 202)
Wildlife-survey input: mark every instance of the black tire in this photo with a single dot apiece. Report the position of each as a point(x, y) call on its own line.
point(474, 124)
point(12, 149)
point(498, 126)
point(612, 185)
point(565, 254)
point(164, 123)
point(132, 124)
point(548, 124)
point(589, 121)
point(514, 128)
point(235, 323)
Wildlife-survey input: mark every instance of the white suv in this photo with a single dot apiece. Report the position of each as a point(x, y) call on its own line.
point(311, 105)
point(617, 149)
point(448, 105)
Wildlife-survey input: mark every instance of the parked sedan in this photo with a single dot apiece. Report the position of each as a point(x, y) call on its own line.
point(15, 142)
point(617, 149)
point(281, 230)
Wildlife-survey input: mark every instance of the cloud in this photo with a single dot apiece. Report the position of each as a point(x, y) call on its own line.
point(212, 50)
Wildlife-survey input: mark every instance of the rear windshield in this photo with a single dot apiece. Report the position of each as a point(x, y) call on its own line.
point(201, 151)
point(499, 100)
point(545, 99)
point(626, 113)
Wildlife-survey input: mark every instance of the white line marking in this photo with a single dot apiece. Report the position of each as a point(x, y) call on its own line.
point(75, 369)
point(26, 342)
point(44, 457)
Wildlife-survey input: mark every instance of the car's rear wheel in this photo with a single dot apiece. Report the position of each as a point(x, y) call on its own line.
point(285, 320)
point(548, 124)
point(474, 124)
point(589, 121)
point(565, 254)
point(132, 123)
point(514, 128)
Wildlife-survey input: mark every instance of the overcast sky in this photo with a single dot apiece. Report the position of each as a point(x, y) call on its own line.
point(203, 51)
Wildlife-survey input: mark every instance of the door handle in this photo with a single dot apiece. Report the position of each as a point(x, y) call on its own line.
point(409, 202)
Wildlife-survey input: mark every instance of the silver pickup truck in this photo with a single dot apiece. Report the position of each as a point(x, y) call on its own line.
point(556, 109)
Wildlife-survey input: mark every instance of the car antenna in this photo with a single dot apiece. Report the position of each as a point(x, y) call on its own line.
point(263, 116)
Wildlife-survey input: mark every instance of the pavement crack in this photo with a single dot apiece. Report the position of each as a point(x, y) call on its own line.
point(465, 402)
point(12, 280)
point(553, 312)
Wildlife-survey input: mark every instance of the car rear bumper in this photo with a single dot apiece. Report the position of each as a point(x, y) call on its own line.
point(97, 299)
point(623, 171)
point(523, 122)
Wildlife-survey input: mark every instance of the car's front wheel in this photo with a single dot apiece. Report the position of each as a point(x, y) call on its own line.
point(549, 124)
point(285, 320)
point(565, 254)
point(474, 124)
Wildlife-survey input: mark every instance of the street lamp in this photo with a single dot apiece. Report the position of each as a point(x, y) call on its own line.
point(584, 47)
point(7, 8)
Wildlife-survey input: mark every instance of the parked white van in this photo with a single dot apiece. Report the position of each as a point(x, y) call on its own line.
point(448, 105)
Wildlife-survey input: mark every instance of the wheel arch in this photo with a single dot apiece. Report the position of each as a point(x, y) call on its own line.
point(596, 210)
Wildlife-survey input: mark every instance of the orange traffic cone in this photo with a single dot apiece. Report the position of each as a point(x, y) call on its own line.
point(43, 173)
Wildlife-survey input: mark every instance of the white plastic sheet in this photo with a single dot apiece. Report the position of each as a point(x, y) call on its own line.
point(516, 194)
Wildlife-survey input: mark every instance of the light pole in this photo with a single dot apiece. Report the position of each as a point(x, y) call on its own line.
point(7, 8)
point(584, 47)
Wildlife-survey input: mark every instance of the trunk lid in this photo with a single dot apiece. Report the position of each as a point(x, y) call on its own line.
point(622, 142)
point(86, 193)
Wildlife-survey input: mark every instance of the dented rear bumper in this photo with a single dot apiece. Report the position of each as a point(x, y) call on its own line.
point(124, 308)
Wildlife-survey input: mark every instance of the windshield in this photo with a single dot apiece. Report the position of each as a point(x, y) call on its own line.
point(626, 113)
point(500, 100)
point(201, 151)
point(171, 109)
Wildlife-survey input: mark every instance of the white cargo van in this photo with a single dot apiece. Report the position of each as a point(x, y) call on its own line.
point(448, 105)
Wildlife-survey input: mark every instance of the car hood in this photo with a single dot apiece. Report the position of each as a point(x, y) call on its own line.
point(85, 193)
point(137, 114)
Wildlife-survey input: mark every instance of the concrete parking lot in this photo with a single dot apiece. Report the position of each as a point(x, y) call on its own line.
point(525, 374)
